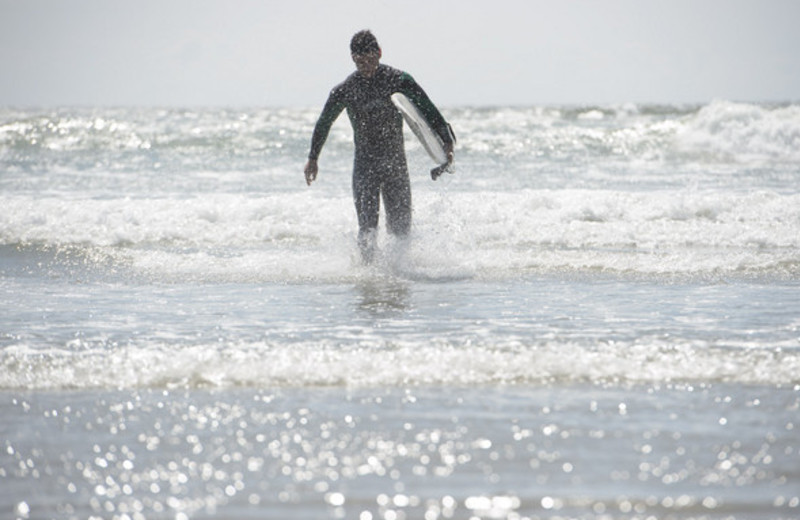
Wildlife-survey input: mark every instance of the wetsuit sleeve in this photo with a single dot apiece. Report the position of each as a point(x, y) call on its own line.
point(414, 92)
point(333, 107)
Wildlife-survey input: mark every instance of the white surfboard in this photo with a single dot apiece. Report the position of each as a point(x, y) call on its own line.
point(430, 140)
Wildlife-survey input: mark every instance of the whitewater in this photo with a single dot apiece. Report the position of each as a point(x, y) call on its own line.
point(596, 316)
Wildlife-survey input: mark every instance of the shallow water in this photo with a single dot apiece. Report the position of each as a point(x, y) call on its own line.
point(380, 331)
point(597, 316)
point(576, 451)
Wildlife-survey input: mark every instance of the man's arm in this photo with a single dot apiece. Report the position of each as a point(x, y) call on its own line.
point(414, 92)
point(333, 107)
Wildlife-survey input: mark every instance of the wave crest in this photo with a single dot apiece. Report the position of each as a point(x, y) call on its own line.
point(743, 132)
point(394, 364)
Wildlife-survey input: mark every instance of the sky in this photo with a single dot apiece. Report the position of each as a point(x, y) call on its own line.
point(463, 52)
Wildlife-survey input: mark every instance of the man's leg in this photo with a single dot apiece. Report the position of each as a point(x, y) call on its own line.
point(366, 195)
point(397, 199)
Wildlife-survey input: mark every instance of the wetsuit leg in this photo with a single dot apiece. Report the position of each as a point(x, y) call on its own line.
point(396, 192)
point(366, 195)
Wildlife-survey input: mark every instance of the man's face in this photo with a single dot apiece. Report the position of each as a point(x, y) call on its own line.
point(367, 63)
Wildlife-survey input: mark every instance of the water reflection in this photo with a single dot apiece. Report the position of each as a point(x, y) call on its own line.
point(383, 298)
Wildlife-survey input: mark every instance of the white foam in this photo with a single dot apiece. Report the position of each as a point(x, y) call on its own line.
point(220, 193)
point(372, 363)
point(304, 235)
point(743, 132)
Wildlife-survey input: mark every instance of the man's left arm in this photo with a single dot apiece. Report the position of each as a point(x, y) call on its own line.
point(417, 95)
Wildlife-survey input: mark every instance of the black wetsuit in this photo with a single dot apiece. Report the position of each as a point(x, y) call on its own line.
point(380, 167)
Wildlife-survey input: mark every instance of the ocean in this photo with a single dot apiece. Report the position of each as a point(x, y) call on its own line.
point(597, 316)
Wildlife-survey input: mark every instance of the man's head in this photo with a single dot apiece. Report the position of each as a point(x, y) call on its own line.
point(366, 52)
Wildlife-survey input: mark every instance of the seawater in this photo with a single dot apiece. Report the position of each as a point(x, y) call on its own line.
point(596, 316)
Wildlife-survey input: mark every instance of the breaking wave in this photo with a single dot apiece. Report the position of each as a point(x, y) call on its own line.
point(402, 363)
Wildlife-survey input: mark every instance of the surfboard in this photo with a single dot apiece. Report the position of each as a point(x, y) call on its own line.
point(430, 140)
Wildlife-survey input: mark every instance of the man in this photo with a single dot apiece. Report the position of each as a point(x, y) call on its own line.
point(379, 169)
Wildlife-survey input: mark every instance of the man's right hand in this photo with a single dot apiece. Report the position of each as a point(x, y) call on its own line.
point(311, 170)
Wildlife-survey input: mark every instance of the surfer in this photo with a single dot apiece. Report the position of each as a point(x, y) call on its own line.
point(379, 169)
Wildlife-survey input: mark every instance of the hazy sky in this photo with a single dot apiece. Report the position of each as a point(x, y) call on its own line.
point(487, 52)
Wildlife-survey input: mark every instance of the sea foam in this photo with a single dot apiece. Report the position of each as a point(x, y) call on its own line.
point(402, 363)
point(504, 234)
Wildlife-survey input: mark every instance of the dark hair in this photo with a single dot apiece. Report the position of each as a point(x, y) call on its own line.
point(364, 42)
